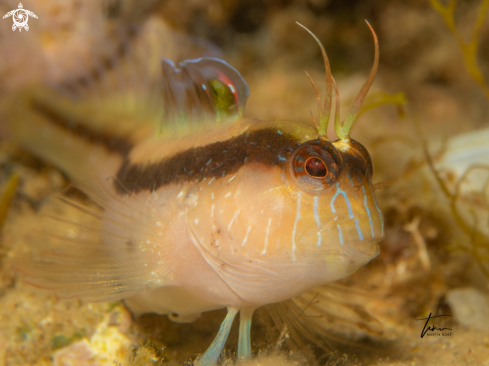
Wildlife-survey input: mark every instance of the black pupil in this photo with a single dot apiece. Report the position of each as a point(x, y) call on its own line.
point(315, 167)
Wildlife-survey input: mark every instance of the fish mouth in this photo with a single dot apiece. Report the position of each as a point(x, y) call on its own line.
point(370, 248)
point(353, 253)
point(355, 249)
point(361, 252)
point(336, 240)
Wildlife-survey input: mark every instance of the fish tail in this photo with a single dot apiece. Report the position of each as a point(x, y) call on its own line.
point(85, 121)
point(39, 123)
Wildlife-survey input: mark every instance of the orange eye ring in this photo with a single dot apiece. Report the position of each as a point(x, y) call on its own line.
point(315, 165)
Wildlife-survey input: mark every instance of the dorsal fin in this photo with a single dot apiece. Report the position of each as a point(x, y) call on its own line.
point(121, 92)
point(201, 92)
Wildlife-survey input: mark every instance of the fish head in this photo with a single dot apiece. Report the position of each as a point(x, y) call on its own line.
point(299, 210)
point(297, 213)
point(336, 215)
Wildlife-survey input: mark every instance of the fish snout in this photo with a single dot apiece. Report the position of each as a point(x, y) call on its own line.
point(349, 237)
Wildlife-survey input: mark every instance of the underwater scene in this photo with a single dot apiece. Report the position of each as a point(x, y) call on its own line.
point(249, 182)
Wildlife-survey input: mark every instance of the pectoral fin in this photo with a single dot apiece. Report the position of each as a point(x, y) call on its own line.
point(327, 316)
point(101, 250)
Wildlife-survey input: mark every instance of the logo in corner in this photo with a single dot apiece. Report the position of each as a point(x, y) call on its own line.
point(20, 17)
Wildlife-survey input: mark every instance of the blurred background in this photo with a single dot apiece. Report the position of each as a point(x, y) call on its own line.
point(424, 123)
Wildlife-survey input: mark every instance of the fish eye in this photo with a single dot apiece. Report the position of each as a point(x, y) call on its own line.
point(314, 165)
point(362, 151)
point(356, 156)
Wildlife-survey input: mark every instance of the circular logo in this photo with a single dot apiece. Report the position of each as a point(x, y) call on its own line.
point(20, 17)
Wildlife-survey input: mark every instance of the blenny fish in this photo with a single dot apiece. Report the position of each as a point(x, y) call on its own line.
point(194, 207)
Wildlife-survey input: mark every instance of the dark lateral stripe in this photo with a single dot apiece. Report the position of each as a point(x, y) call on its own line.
point(77, 127)
point(217, 160)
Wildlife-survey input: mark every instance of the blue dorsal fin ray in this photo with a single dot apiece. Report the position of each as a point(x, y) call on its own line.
point(201, 92)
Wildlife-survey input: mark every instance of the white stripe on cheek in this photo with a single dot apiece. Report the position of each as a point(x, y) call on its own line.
point(318, 222)
point(246, 236)
point(232, 220)
point(316, 215)
point(298, 215)
point(266, 237)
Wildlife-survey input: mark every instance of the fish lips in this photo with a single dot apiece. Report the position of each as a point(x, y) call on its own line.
point(351, 250)
point(354, 252)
